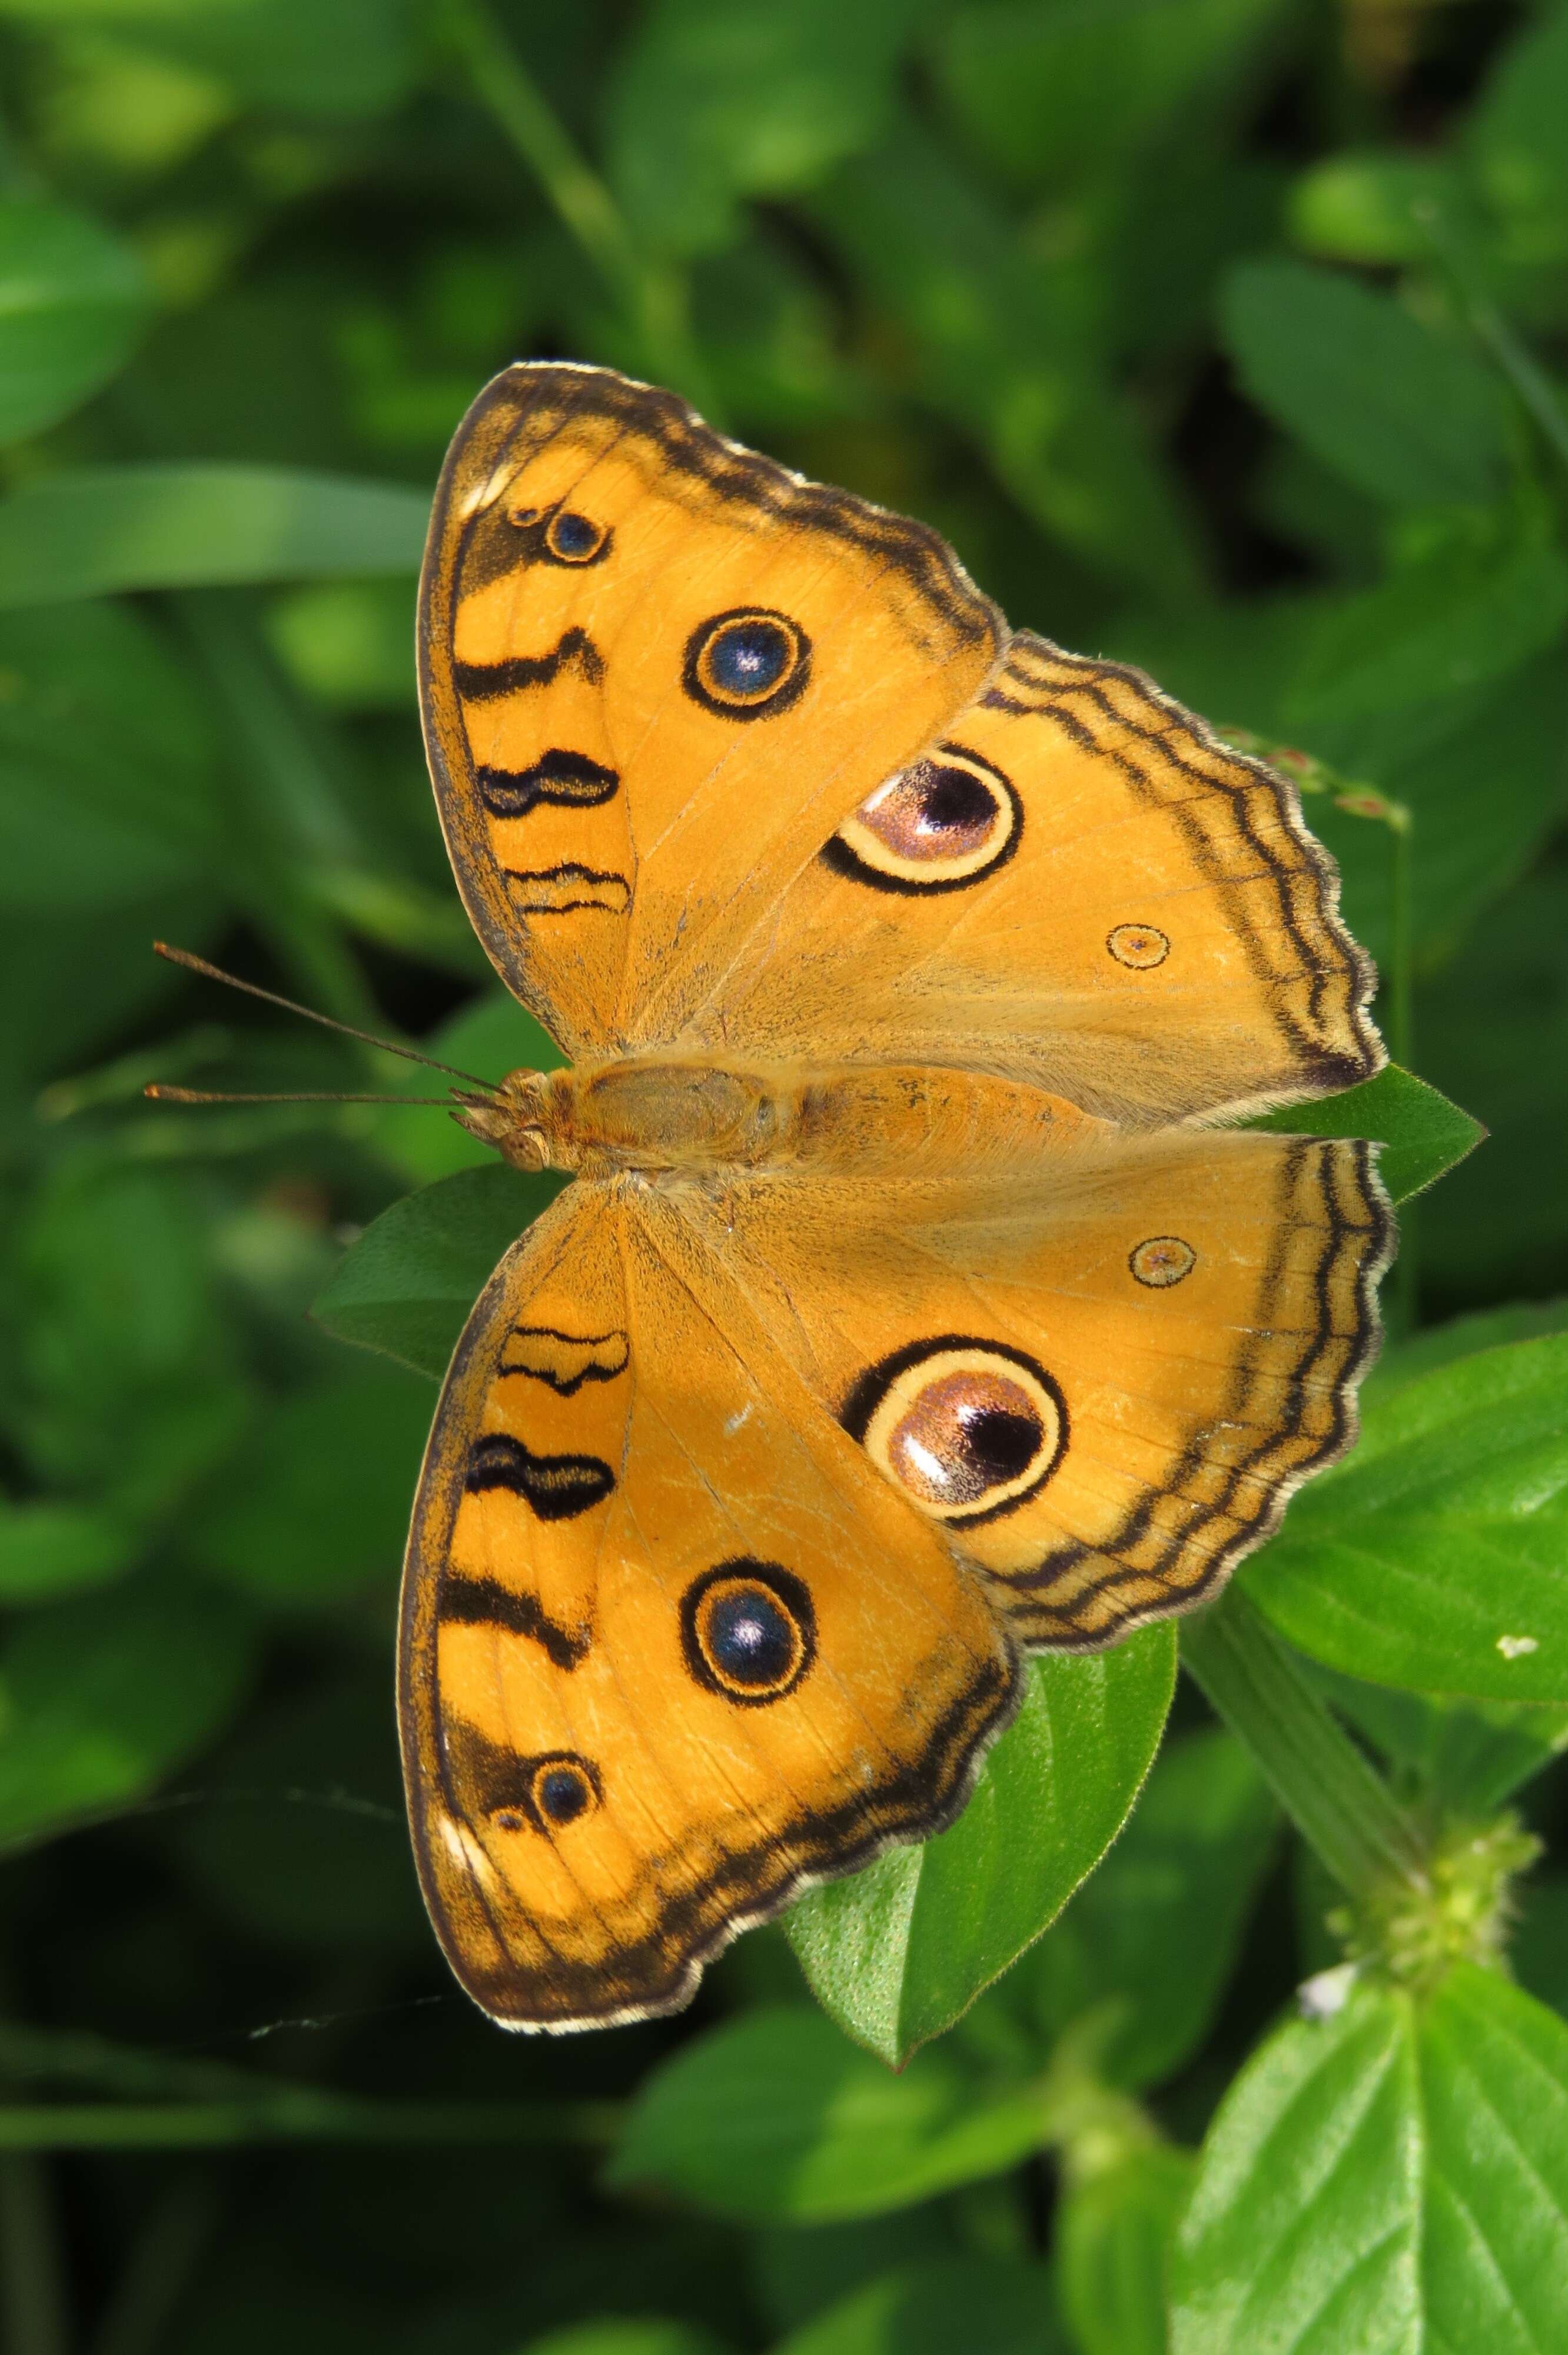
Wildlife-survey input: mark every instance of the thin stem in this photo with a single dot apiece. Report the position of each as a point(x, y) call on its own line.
point(650, 295)
point(296, 2114)
point(1339, 1803)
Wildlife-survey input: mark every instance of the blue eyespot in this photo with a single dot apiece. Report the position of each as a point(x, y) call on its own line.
point(574, 539)
point(748, 1630)
point(746, 663)
point(562, 1789)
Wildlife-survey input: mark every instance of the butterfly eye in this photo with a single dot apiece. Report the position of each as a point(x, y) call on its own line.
point(1161, 1261)
point(748, 1630)
point(746, 663)
point(1142, 946)
point(965, 1428)
point(942, 823)
point(573, 538)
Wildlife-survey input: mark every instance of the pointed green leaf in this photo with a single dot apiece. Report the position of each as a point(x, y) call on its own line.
point(1421, 1133)
point(898, 1953)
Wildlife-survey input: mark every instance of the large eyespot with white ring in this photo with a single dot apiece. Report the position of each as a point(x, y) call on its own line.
point(747, 662)
point(946, 821)
point(748, 1631)
point(966, 1428)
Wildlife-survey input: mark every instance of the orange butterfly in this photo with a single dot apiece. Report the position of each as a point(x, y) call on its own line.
point(903, 1315)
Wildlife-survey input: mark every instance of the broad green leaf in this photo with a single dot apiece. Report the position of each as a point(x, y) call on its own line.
point(72, 304)
point(1056, 92)
point(1394, 2178)
point(492, 1035)
point(1421, 1133)
point(1465, 1758)
point(195, 525)
point(407, 1285)
point(1114, 2234)
point(110, 789)
point(775, 2114)
point(628, 2335)
point(1304, 2229)
point(898, 1953)
point(1462, 1336)
point(1515, 145)
point(107, 1697)
point(1457, 619)
point(1494, 2088)
point(353, 59)
point(998, 2303)
point(1436, 1554)
point(715, 100)
point(1150, 1944)
point(316, 1503)
point(1410, 417)
point(49, 1549)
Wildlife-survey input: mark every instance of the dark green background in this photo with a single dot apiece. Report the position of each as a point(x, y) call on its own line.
point(1224, 336)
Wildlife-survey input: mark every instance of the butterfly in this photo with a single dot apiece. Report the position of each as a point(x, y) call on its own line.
point(908, 1308)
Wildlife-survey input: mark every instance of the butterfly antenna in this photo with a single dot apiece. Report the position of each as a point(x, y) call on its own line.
point(388, 1046)
point(161, 1093)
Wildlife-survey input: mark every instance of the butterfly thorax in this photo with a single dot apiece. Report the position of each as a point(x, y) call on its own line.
point(695, 1113)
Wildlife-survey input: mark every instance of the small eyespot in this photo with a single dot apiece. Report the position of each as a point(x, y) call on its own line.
point(554, 1791)
point(744, 663)
point(944, 821)
point(1140, 946)
point(1161, 1261)
point(573, 538)
point(966, 1428)
point(748, 1630)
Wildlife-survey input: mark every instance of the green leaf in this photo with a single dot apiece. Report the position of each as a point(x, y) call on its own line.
point(1462, 1336)
point(1114, 2236)
point(898, 1953)
point(407, 1285)
point(109, 782)
point(1464, 1758)
point(1410, 417)
point(1150, 1944)
point(1515, 141)
point(1376, 205)
point(1455, 620)
point(492, 1035)
point(1059, 92)
point(72, 303)
point(1394, 2178)
point(1421, 1133)
point(354, 58)
point(1304, 2227)
point(49, 1549)
point(715, 100)
point(316, 1502)
point(1434, 1555)
point(107, 1697)
point(104, 529)
point(776, 2115)
point(997, 2304)
point(628, 2335)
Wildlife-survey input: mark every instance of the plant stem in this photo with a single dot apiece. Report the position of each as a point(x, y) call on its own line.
point(650, 295)
point(1339, 1803)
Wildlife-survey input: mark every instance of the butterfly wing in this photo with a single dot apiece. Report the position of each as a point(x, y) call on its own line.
point(670, 1646)
point(656, 671)
point(1100, 1380)
point(1076, 885)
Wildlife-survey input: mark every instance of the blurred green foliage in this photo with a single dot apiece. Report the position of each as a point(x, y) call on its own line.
point(1228, 336)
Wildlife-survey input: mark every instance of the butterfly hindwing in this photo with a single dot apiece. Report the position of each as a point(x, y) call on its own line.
point(1100, 1378)
point(670, 1648)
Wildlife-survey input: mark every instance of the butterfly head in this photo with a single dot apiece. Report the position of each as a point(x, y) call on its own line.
point(515, 1117)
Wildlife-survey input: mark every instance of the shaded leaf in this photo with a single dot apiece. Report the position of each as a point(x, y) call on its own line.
point(72, 304)
point(1113, 2237)
point(169, 525)
point(776, 2115)
point(999, 2304)
point(353, 59)
point(1410, 417)
point(48, 1548)
point(898, 1953)
point(407, 1285)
